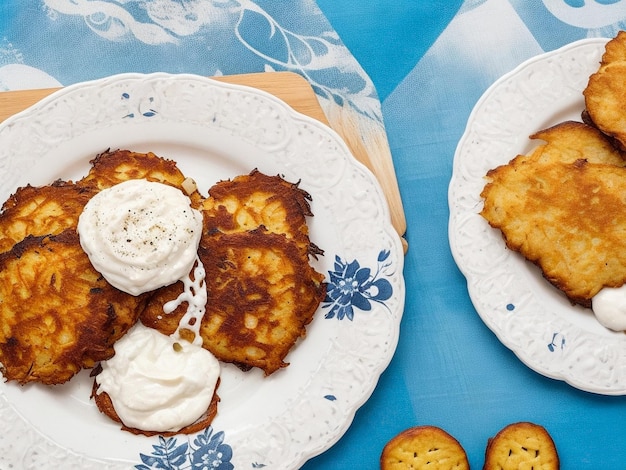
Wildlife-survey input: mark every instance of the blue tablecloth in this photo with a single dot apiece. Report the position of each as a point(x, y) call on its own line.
point(416, 68)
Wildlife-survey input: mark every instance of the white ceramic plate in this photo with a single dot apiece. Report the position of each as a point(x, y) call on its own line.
point(526, 313)
point(217, 131)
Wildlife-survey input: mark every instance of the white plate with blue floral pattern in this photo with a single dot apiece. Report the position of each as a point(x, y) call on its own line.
point(216, 131)
point(526, 313)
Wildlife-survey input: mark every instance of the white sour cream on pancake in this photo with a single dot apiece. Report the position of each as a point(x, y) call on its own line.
point(158, 383)
point(609, 307)
point(140, 235)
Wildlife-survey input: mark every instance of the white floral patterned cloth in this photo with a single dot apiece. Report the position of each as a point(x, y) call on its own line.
point(47, 43)
point(407, 73)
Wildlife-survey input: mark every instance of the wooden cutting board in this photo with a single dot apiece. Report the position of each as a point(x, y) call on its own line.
point(289, 87)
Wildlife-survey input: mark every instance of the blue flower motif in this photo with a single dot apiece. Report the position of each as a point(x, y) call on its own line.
point(351, 286)
point(207, 452)
point(211, 452)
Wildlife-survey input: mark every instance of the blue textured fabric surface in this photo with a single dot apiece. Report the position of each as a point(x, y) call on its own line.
point(449, 369)
point(419, 67)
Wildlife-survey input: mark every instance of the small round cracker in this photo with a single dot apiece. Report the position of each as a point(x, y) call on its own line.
point(521, 446)
point(423, 447)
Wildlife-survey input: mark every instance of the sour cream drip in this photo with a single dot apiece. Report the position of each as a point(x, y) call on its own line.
point(195, 294)
point(609, 307)
point(140, 235)
point(156, 385)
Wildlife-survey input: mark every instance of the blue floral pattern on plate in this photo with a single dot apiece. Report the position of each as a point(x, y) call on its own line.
point(140, 108)
point(351, 285)
point(558, 342)
point(208, 451)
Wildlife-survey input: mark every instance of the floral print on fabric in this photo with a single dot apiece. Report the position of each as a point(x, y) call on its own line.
point(263, 35)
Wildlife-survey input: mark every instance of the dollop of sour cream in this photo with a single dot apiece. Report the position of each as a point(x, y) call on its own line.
point(609, 307)
point(140, 235)
point(157, 382)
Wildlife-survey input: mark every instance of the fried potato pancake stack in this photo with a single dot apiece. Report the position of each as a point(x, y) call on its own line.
point(605, 93)
point(57, 314)
point(561, 207)
point(262, 291)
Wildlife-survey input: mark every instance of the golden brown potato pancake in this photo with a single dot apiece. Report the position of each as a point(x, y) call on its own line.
point(57, 313)
point(605, 93)
point(262, 292)
point(562, 208)
point(37, 211)
point(257, 200)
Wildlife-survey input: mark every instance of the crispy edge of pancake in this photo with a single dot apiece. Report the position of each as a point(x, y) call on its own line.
point(105, 405)
point(615, 49)
point(43, 210)
point(569, 141)
point(243, 295)
point(63, 317)
point(116, 166)
point(605, 92)
point(255, 200)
